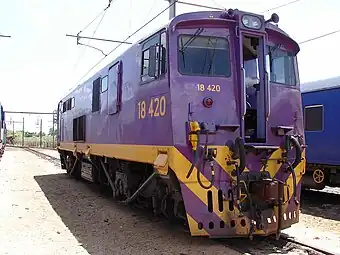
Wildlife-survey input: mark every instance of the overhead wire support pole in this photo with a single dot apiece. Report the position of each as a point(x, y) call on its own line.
point(172, 8)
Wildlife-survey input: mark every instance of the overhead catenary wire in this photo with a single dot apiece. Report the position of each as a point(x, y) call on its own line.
point(88, 42)
point(177, 1)
point(280, 6)
point(200, 5)
point(5, 36)
point(224, 8)
point(217, 3)
point(89, 24)
point(320, 36)
point(140, 28)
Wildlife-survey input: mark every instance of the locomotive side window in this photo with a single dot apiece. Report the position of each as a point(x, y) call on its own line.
point(79, 128)
point(72, 102)
point(282, 66)
point(64, 107)
point(154, 57)
point(96, 95)
point(103, 87)
point(163, 55)
point(145, 67)
point(204, 55)
point(69, 105)
point(314, 118)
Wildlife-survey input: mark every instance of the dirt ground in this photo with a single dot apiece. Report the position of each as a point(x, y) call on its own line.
point(319, 219)
point(45, 212)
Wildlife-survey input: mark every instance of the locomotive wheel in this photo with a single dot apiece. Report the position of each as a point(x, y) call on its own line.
point(318, 176)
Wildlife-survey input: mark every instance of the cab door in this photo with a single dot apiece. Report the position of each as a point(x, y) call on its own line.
point(254, 87)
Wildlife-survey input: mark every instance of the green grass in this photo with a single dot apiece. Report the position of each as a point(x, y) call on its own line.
point(46, 142)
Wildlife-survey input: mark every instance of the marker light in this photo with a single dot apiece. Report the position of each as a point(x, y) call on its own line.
point(250, 21)
point(227, 14)
point(208, 102)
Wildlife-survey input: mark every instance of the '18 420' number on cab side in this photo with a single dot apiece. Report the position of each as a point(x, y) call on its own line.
point(156, 107)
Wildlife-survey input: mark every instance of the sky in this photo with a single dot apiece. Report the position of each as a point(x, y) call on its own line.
point(39, 64)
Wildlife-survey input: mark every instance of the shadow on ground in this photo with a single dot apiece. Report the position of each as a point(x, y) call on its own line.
point(103, 226)
point(321, 204)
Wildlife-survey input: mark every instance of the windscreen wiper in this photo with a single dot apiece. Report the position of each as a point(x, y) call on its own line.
point(192, 38)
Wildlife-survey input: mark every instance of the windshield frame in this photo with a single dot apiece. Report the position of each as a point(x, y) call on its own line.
point(204, 35)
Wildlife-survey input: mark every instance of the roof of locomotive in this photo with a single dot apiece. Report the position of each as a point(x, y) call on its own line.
point(321, 85)
point(165, 26)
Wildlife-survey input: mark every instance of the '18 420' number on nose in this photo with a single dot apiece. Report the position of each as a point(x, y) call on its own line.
point(210, 87)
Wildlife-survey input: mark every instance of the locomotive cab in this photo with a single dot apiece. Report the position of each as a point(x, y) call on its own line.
point(235, 94)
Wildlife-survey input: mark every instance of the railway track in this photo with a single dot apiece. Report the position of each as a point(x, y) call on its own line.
point(269, 245)
point(40, 154)
point(258, 246)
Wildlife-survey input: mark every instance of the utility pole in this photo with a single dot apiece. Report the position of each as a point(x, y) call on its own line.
point(40, 133)
point(172, 10)
point(23, 131)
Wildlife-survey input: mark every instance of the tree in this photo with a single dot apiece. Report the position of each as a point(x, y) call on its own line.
point(52, 132)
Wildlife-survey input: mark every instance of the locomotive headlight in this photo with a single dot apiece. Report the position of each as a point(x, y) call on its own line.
point(252, 22)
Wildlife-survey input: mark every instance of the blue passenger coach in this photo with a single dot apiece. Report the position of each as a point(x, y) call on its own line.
point(321, 104)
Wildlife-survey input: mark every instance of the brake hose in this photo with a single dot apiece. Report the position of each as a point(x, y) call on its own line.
point(208, 157)
point(194, 139)
point(193, 164)
point(298, 157)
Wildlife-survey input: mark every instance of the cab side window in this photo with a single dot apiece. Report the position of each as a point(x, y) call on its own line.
point(154, 57)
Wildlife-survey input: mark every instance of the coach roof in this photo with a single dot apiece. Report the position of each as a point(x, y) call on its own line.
point(320, 85)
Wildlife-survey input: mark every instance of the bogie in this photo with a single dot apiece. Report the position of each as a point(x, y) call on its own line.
point(163, 195)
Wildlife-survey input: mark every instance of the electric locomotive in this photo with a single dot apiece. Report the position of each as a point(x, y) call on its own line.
point(200, 121)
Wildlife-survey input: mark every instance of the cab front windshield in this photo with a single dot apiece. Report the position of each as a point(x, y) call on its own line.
point(280, 65)
point(203, 56)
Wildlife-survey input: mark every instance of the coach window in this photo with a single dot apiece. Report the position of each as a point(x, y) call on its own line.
point(104, 84)
point(314, 118)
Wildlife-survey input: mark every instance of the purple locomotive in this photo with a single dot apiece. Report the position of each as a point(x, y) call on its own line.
point(201, 121)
